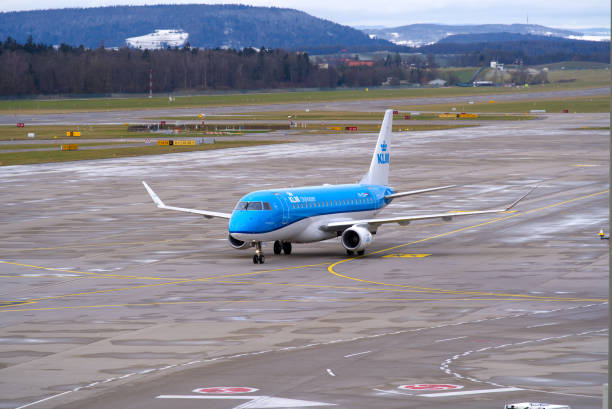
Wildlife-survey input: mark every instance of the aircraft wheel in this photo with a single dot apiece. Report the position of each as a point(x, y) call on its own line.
point(350, 252)
point(361, 252)
point(262, 259)
point(278, 247)
point(255, 259)
point(287, 247)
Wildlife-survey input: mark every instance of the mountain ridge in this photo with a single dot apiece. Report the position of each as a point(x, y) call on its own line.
point(417, 35)
point(209, 26)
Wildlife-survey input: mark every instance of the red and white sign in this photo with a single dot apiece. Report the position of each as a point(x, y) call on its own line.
point(226, 390)
point(430, 387)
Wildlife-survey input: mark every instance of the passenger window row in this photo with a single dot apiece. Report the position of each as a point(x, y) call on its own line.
point(329, 203)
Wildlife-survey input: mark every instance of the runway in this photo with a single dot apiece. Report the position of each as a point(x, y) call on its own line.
point(109, 302)
point(150, 115)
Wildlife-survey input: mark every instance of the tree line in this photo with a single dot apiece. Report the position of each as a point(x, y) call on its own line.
point(32, 69)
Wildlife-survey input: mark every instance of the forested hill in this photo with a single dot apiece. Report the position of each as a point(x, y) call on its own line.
point(533, 49)
point(209, 26)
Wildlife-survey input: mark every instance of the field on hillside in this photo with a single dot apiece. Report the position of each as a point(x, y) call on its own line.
point(560, 80)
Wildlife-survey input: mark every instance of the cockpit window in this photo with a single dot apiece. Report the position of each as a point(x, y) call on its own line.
point(252, 206)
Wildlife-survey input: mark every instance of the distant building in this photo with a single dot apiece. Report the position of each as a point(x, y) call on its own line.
point(159, 39)
point(496, 65)
point(358, 63)
point(438, 82)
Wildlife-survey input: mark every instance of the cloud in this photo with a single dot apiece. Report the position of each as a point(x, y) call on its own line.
point(559, 13)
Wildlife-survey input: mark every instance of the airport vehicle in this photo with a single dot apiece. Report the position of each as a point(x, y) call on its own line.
point(315, 213)
point(533, 405)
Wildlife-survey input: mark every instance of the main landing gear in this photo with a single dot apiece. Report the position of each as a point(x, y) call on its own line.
point(282, 246)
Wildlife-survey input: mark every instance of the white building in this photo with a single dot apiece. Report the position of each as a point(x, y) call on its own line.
point(159, 39)
point(438, 82)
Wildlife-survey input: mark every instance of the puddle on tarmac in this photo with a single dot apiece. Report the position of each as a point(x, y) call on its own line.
point(185, 342)
point(23, 340)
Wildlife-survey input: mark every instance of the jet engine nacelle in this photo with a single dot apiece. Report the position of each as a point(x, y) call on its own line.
point(238, 244)
point(356, 238)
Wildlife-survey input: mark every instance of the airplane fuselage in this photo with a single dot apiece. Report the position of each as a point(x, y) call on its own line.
point(297, 214)
point(315, 213)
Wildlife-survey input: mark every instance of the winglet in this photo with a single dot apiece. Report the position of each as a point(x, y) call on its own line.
point(519, 199)
point(156, 199)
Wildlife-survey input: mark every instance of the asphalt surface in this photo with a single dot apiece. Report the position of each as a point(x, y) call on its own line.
point(139, 116)
point(108, 302)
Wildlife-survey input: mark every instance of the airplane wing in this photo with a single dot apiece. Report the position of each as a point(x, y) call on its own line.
point(416, 192)
point(403, 220)
point(161, 205)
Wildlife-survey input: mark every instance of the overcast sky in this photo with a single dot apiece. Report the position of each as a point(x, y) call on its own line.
point(390, 13)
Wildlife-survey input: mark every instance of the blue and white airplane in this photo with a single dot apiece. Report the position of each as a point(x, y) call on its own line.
point(315, 213)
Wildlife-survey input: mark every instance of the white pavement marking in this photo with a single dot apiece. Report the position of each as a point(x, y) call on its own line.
point(475, 392)
point(443, 367)
point(392, 392)
point(243, 397)
point(256, 402)
point(43, 400)
point(330, 372)
point(449, 339)
point(542, 325)
point(358, 353)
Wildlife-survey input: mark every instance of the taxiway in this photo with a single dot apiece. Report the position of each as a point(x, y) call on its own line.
point(109, 302)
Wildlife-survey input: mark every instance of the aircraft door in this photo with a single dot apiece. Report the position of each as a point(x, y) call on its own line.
point(285, 205)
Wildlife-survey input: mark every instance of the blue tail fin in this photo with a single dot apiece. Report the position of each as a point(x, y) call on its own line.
point(379, 167)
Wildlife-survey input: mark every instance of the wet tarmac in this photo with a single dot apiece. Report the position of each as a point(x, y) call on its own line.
point(109, 302)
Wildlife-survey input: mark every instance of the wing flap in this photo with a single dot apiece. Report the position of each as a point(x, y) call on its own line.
point(405, 219)
point(160, 204)
point(375, 223)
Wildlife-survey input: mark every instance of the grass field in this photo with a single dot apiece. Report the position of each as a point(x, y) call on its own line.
point(579, 105)
point(45, 132)
point(52, 132)
point(583, 79)
point(580, 78)
point(575, 65)
point(592, 128)
point(396, 128)
point(325, 116)
point(53, 145)
point(23, 158)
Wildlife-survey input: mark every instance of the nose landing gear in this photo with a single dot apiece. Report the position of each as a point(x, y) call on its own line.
point(279, 247)
point(258, 257)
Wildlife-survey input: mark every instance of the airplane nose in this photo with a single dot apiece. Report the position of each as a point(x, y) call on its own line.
point(243, 222)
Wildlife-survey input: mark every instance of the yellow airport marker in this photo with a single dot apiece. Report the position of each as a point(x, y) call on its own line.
point(406, 255)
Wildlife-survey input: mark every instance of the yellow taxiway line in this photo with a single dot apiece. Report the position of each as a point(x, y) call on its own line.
point(521, 296)
point(394, 287)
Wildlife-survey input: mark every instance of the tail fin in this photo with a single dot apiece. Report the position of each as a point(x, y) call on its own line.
point(379, 167)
